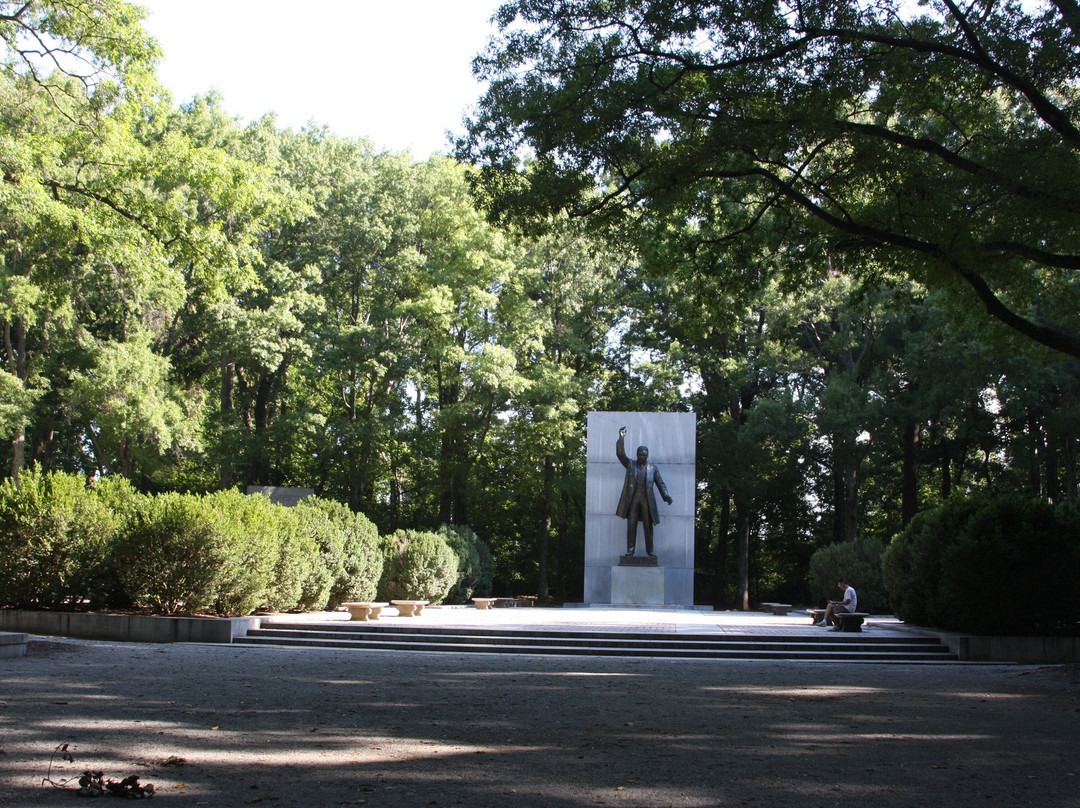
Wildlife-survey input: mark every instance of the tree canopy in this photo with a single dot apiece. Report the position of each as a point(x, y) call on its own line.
point(941, 141)
point(195, 304)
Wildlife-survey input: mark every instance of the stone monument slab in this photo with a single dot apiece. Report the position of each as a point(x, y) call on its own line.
point(637, 586)
point(671, 441)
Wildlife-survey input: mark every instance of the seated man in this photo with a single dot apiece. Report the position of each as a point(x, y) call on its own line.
point(848, 604)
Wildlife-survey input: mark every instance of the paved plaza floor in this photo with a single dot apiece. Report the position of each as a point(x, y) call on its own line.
point(672, 621)
point(221, 725)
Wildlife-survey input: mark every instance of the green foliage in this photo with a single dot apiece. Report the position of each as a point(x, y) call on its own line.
point(994, 564)
point(185, 553)
point(476, 567)
point(170, 555)
point(349, 551)
point(939, 140)
point(226, 552)
point(54, 539)
point(63, 544)
point(131, 411)
point(347, 564)
point(417, 566)
point(198, 304)
point(298, 576)
point(251, 533)
point(325, 541)
point(858, 562)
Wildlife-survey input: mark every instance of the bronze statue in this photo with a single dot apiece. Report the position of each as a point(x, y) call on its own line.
point(638, 501)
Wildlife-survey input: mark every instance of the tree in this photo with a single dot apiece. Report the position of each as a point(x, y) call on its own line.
point(572, 298)
point(64, 68)
point(129, 409)
point(945, 143)
point(110, 217)
point(96, 46)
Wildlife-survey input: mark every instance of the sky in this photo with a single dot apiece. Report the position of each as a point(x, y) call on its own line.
point(396, 72)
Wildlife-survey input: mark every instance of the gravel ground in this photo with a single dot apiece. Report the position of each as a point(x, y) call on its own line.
point(233, 726)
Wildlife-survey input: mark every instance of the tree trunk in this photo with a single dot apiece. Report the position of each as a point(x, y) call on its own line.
point(1053, 482)
point(742, 517)
point(18, 452)
point(909, 497)
point(850, 521)
point(563, 550)
point(15, 345)
point(846, 478)
point(228, 379)
point(260, 464)
point(545, 533)
point(1068, 452)
point(1035, 466)
point(720, 563)
point(946, 473)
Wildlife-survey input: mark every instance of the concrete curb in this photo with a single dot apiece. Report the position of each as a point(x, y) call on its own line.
point(127, 627)
point(1021, 650)
point(12, 646)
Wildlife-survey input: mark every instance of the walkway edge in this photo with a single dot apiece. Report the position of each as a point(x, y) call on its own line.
point(1021, 650)
point(127, 627)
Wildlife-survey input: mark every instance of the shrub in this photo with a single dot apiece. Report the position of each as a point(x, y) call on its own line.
point(859, 562)
point(349, 551)
point(259, 553)
point(64, 544)
point(326, 540)
point(988, 564)
point(297, 575)
point(416, 566)
point(170, 557)
point(54, 539)
point(476, 567)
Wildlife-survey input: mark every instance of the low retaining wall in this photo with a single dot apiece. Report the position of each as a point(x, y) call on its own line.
point(127, 627)
point(1025, 650)
point(12, 645)
point(1021, 650)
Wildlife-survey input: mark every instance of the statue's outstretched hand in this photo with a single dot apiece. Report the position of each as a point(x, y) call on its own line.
point(622, 432)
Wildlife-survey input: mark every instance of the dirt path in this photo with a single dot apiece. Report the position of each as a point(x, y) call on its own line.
point(232, 726)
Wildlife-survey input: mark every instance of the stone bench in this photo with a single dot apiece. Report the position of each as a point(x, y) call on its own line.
point(509, 603)
point(409, 608)
point(851, 621)
point(363, 611)
point(484, 603)
point(848, 621)
point(12, 645)
point(776, 608)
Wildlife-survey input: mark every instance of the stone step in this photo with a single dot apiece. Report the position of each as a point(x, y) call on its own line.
point(811, 635)
point(731, 646)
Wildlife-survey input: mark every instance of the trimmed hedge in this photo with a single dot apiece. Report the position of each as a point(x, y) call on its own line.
point(349, 558)
point(418, 565)
point(476, 567)
point(990, 564)
point(170, 555)
point(54, 539)
point(859, 562)
point(67, 544)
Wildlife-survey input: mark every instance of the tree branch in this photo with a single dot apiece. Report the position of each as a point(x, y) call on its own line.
point(947, 155)
point(1050, 337)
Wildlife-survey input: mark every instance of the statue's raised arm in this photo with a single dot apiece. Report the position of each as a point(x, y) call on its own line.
point(620, 448)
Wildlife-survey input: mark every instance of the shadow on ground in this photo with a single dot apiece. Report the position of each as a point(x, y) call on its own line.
point(222, 725)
